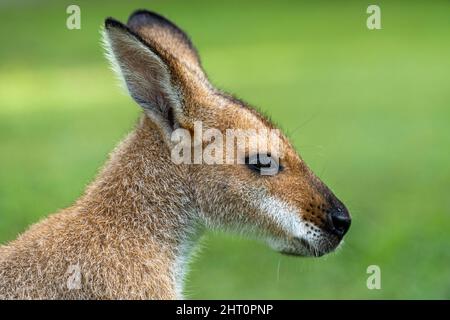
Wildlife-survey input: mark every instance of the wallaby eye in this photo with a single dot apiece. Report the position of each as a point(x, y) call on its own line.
point(263, 164)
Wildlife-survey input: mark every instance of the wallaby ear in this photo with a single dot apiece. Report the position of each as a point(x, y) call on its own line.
point(146, 75)
point(170, 40)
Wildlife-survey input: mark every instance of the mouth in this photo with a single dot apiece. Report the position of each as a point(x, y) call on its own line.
point(300, 247)
point(305, 246)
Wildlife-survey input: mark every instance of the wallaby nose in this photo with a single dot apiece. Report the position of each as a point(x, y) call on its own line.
point(339, 221)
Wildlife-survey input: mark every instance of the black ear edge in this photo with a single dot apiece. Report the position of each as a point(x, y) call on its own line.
point(142, 17)
point(111, 23)
point(150, 17)
point(146, 17)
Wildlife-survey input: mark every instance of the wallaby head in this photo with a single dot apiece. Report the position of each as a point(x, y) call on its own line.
point(290, 208)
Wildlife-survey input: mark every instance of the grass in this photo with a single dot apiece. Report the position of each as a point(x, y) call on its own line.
point(368, 110)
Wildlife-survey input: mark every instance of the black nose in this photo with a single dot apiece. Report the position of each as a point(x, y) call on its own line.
point(340, 221)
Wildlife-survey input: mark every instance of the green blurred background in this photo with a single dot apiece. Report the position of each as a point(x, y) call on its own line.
point(368, 110)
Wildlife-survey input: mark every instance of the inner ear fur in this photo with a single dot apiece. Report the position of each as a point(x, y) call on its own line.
point(146, 75)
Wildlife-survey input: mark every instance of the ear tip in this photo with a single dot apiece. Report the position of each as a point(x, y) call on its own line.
point(113, 23)
point(146, 17)
point(141, 14)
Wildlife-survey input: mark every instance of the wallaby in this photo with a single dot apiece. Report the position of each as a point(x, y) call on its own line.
point(131, 234)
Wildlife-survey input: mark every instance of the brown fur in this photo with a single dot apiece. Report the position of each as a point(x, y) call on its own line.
point(128, 231)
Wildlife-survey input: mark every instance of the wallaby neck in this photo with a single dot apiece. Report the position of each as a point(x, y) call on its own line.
point(144, 197)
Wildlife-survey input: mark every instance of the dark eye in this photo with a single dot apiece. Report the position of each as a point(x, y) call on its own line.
point(263, 164)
